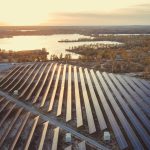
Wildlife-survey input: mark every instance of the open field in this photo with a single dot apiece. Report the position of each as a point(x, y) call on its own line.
point(83, 101)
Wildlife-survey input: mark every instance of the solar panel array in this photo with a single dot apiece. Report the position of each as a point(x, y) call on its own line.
point(89, 101)
point(20, 129)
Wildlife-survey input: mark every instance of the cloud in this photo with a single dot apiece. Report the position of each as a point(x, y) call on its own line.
point(137, 9)
point(138, 14)
point(142, 6)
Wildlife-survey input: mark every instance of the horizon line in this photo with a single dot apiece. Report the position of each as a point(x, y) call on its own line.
point(67, 25)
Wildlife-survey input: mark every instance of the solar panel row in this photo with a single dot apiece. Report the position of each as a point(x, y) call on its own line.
point(48, 87)
point(10, 83)
point(42, 85)
point(54, 90)
point(30, 93)
point(60, 101)
point(88, 110)
point(138, 90)
point(69, 96)
point(21, 78)
point(134, 95)
point(78, 100)
point(11, 76)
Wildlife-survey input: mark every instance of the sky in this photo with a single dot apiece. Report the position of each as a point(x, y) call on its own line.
point(74, 12)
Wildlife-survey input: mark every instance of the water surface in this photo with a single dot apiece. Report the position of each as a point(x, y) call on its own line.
point(49, 42)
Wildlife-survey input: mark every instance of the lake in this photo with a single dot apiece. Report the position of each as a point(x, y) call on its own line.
point(49, 42)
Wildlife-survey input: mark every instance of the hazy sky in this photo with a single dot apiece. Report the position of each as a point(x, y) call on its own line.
point(75, 12)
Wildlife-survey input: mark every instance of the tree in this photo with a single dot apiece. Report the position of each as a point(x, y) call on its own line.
point(44, 49)
point(61, 56)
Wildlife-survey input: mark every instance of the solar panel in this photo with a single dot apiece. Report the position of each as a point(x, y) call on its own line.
point(42, 85)
point(37, 82)
point(12, 147)
point(31, 81)
point(88, 110)
point(54, 90)
point(21, 78)
point(60, 101)
point(11, 76)
point(3, 107)
point(55, 138)
point(98, 111)
point(27, 78)
point(1, 99)
point(77, 100)
point(135, 96)
point(48, 87)
point(15, 78)
point(116, 129)
point(6, 115)
point(8, 75)
point(138, 90)
point(133, 105)
point(10, 126)
point(131, 116)
point(31, 133)
point(69, 96)
point(141, 86)
point(146, 83)
point(82, 146)
point(130, 133)
point(45, 127)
